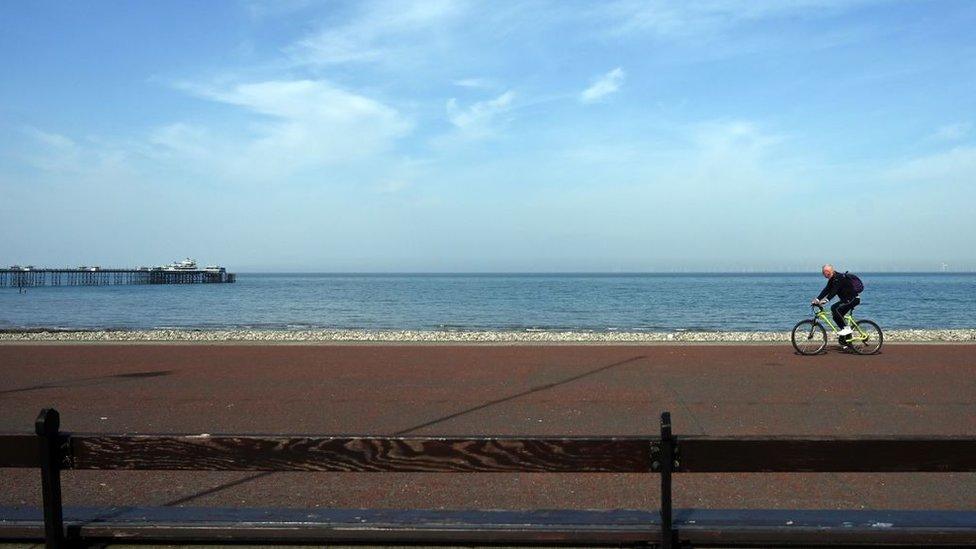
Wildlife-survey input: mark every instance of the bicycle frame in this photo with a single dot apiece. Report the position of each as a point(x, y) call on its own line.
point(827, 319)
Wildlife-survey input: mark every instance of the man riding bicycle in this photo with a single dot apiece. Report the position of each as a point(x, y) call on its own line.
point(840, 285)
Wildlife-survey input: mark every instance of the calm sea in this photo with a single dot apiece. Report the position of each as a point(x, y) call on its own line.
point(631, 302)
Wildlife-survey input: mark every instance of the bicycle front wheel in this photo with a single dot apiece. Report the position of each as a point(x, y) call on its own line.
point(868, 338)
point(809, 337)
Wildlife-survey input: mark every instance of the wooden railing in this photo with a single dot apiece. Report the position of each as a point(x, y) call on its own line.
point(53, 451)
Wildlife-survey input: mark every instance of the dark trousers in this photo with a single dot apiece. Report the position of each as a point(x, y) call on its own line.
point(841, 308)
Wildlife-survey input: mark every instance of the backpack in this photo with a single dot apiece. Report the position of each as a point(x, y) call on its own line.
point(855, 282)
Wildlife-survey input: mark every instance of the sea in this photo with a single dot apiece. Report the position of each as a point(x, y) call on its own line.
point(489, 302)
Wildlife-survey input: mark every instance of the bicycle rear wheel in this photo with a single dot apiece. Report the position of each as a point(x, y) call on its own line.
point(809, 337)
point(868, 338)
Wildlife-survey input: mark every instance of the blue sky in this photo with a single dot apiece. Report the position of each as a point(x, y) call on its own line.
point(490, 136)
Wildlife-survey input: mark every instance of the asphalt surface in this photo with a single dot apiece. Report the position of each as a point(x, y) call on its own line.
point(498, 390)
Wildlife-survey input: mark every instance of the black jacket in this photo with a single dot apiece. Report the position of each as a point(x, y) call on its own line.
point(838, 285)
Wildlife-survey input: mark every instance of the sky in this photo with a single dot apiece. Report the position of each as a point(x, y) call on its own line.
point(462, 136)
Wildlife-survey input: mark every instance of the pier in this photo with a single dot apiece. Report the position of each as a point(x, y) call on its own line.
point(24, 278)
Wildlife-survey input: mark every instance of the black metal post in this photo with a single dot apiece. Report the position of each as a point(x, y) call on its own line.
point(47, 427)
point(668, 537)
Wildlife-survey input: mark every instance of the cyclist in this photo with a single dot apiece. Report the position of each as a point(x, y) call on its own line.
point(840, 285)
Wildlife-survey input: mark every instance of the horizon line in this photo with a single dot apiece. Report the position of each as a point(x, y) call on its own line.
point(612, 273)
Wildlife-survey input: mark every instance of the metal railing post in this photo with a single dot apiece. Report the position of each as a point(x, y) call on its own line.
point(668, 461)
point(48, 426)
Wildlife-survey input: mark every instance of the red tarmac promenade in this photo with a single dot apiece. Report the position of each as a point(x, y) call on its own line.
point(491, 390)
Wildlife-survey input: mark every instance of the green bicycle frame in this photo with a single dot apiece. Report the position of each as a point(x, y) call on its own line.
point(826, 319)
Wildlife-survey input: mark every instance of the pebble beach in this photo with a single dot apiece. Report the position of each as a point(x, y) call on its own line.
point(450, 336)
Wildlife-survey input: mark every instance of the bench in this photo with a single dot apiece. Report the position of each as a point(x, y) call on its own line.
point(53, 451)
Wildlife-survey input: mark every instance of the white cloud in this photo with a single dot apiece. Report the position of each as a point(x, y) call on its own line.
point(183, 140)
point(59, 155)
point(603, 86)
point(392, 186)
point(53, 140)
point(258, 9)
point(303, 124)
point(377, 32)
point(668, 19)
point(954, 166)
point(306, 99)
point(734, 137)
point(726, 158)
point(473, 83)
point(52, 151)
point(477, 119)
point(952, 132)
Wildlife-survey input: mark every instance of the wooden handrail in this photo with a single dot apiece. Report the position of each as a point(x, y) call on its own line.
point(870, 454)
point(350, 453)
point(362, 454)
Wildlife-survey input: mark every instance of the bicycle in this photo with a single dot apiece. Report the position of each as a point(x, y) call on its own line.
point(809, 337)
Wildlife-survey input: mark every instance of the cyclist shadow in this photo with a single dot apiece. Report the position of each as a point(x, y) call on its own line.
point(839, 350)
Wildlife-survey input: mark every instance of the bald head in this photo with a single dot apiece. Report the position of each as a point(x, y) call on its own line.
point(828, 270)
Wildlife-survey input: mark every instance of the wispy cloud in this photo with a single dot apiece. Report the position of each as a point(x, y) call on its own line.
point(377, 32)
point(59, 155)
point(51, 151)
point(477, 119)
point(684, 19)
point(953, 166)
point(261, 10)
point(603, 86)
point(302, 124)
point(392, 186)
point(478, 83)
point(724, 158)
point(952, 132)
point(735, 137)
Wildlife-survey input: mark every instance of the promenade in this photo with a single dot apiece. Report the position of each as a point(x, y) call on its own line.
point(500, 390)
